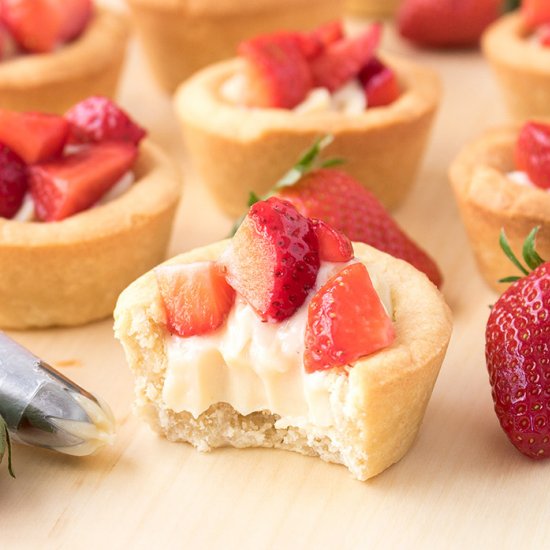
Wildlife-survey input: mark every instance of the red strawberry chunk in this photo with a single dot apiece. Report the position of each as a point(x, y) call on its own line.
point(533, 153)
point(543, 35)
point(518, 360)
point(535, 13)
point(76, 16)
point(380, 84)
point(98, 119)
point(35, 137)
point(74, 183)
point(313, 43)
point(13, 182)
point(346, 321)
point(342, 60)
point(196, 297)
point(446, 23)
point(335, 197)
point(277, 72)
point(334, 246)
point(273, 259)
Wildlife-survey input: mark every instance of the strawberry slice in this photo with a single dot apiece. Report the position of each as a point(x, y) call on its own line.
point(277, 72)
point(342, 60)
point(346, 321)
point(273, 259)
point(98, 119)
point(69, 185)
point(13, 182)
point(380, 84)
point(35, 137)
point(533, 153)
point(196, 297)
point(314, 42)
point(334, 246)
point(543, 35)
point(535, 13)
point(39, 26)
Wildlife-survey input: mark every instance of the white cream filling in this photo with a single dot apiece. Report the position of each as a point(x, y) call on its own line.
point(350, 99)
point(521, 178)
point(255, 366)
point(26, 212)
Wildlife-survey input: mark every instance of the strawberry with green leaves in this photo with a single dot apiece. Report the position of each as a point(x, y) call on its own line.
point(319, 190)
point(517, 352)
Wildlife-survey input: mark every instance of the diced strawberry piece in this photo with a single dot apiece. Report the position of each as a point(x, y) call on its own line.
point(313, 43)
point(196, 297)
point(13, 182)
point(446, 23)
point(76, 16)
point(533, 153)
point(273, 259)
point(35, 24)
point(334, 246)
point(380, 83)
point(71, 184)
point(40, 25)
point(346, 321)
point(535, 13)
point(543, 35)
point(342, 60)
point(277, 71)
point(35, 137)
point(98, 119)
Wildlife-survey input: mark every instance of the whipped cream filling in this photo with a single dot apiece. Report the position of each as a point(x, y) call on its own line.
point(350, 99)
point(521, 178)
point(26, 212)
point(256, 366)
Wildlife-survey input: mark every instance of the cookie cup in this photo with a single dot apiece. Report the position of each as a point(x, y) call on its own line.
point(71, 272)
point(182, 36)
point(53, 82)
point(372, 8)
point(238, 150)
point(489, 201)
point(522, 67)
point(377, 408)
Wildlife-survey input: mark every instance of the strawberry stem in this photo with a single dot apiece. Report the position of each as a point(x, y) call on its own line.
point(511, 5)
point(529, 253)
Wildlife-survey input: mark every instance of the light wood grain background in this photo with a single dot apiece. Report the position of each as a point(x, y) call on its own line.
point(461, 486)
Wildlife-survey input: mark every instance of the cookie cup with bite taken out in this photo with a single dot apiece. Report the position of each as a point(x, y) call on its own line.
point(182, 36)
point(52, 82)
point(377, 403)
point(70, 272)
point(237, 150)
point(489, 200)
point(522, 67)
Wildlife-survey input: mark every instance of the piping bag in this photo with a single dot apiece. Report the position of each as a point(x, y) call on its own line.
point(43, 408)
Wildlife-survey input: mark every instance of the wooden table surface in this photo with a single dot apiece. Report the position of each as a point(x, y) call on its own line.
point(462, 485)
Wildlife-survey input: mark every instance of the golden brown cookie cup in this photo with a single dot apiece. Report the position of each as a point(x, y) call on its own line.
point(53, 82)
point(71, 272)
point(238, 150)
point(183, 36)
point(372, 8)
point(522, 67)
point(489, 200)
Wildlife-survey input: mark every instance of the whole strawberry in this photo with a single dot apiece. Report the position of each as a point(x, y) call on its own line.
point(518, 355)
point(446, 23)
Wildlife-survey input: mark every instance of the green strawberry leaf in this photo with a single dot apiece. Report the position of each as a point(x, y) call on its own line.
point(505, 245)
point(253, 198)
point(530, 255)
point(5, 445)
point(511, 279)
point(511, 5)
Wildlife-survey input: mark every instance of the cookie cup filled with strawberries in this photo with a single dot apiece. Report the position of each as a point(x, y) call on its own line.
point(286, 336)
point(65, 51)
point(501, 182)
point(180, 37)
point(245, 120)
point(518, 48)
point(85, 208)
